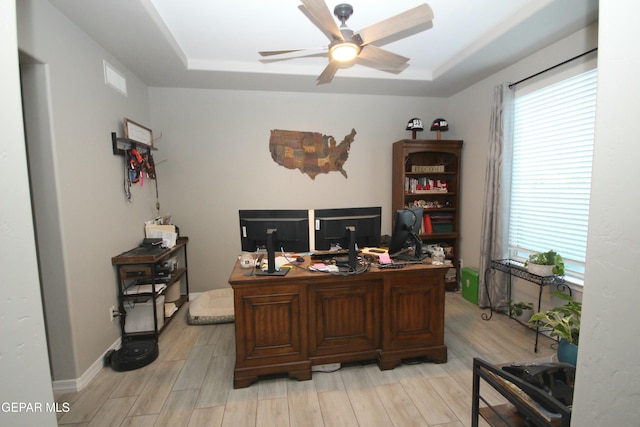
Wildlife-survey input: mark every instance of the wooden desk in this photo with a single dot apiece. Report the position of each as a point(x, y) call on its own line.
point(287, 324)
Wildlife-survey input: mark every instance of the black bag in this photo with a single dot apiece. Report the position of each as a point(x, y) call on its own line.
point(556, 379)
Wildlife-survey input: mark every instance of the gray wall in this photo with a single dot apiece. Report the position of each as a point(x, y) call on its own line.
point(216, 147)
point(81, 214)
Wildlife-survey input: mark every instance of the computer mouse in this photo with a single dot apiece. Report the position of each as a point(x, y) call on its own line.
point(300, 259)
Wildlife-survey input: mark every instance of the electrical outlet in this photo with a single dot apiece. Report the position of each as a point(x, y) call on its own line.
point(461, 264)
point(112, 312)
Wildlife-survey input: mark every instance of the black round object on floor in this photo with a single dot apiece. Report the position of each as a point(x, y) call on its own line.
point(133, 355)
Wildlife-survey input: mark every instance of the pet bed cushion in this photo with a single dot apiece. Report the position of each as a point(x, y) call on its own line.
point(210, 307)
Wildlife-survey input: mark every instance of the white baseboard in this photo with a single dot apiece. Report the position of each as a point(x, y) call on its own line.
point(77, 384)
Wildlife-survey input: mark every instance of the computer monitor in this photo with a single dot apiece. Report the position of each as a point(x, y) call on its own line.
point(273, 230)
point(331, 225)
point(406, 234)
point(347, 229)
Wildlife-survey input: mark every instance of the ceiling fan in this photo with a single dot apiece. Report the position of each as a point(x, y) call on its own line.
point(347, 47)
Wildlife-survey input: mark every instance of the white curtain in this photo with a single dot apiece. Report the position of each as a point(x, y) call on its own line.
point(495, 214)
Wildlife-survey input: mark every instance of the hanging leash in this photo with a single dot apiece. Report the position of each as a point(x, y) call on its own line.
point(127, 176)
point(136, 167)
point(151, 174)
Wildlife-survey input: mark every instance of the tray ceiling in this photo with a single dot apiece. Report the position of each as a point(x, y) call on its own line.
point(214, 44)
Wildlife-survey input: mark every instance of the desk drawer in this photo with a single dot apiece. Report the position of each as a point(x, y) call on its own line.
point(135, 272)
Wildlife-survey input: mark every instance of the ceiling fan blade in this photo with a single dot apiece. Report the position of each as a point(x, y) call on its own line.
point(402, 22)
point(322, 18)
point(279, 52)
point(383, 57)
point(282, 52)
point(315, 22)
point(286, 58)
point(381, 67)
point(327, 74)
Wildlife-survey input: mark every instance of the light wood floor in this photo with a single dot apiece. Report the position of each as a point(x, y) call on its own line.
point(190, 384)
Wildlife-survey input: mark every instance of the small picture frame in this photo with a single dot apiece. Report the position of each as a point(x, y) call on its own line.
point(137, 132)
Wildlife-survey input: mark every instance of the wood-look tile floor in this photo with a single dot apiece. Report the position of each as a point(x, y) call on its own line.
point(191, 383)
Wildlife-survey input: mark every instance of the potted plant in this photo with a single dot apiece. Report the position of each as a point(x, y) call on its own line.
point(564, 323)
point(545, 263)
point(521, 310)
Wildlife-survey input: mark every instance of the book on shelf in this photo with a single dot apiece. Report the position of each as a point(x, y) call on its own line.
point(442, 223)
point(427, 227)
point(424, 185)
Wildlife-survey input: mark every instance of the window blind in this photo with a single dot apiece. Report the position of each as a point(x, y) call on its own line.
point(551, 176)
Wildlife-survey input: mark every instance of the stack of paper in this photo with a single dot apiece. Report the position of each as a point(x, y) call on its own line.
point(324, 268)
point(144, 289)
point(169, 309)
point(166, 232)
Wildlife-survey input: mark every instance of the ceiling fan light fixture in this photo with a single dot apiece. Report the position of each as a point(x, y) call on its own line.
point(347, 47)
point(344, 51)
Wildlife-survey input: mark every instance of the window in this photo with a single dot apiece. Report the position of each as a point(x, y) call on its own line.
point(551, 176)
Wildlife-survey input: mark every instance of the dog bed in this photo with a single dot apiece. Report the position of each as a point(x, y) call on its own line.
point(212, 307)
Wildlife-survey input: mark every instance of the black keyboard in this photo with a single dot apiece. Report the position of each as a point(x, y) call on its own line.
point(329, 254)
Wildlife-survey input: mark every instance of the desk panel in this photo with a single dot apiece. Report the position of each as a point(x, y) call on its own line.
point(344, 317)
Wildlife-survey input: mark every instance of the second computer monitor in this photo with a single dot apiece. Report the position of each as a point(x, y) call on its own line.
point(406, 232)
point(331, 227)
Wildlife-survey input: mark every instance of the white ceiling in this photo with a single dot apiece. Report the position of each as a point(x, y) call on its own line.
point(214, 43)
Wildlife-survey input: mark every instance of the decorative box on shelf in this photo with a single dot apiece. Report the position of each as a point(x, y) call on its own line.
point(427, 169)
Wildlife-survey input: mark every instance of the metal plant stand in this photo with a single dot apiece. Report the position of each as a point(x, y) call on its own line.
point(517, 269)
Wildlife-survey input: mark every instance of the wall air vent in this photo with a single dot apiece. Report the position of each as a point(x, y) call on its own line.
point(114, 78)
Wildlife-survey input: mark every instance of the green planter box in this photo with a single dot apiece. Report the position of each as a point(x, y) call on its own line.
point(470, 282)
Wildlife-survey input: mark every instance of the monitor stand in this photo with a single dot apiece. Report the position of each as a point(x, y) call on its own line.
point(351, 260)
point(281, 272)
point(271, 257)
point(417, 255)
point(409, 257)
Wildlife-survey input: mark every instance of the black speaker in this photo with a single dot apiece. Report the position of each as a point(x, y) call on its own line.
point(134, 354)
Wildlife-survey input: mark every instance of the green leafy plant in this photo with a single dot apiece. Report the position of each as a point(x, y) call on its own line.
point(564, 320)
point(548, 258)
point(517, 308)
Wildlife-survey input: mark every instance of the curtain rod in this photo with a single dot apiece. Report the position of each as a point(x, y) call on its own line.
point(551, 68)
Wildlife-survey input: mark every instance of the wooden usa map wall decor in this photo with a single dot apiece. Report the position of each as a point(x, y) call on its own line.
point(310, 152)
